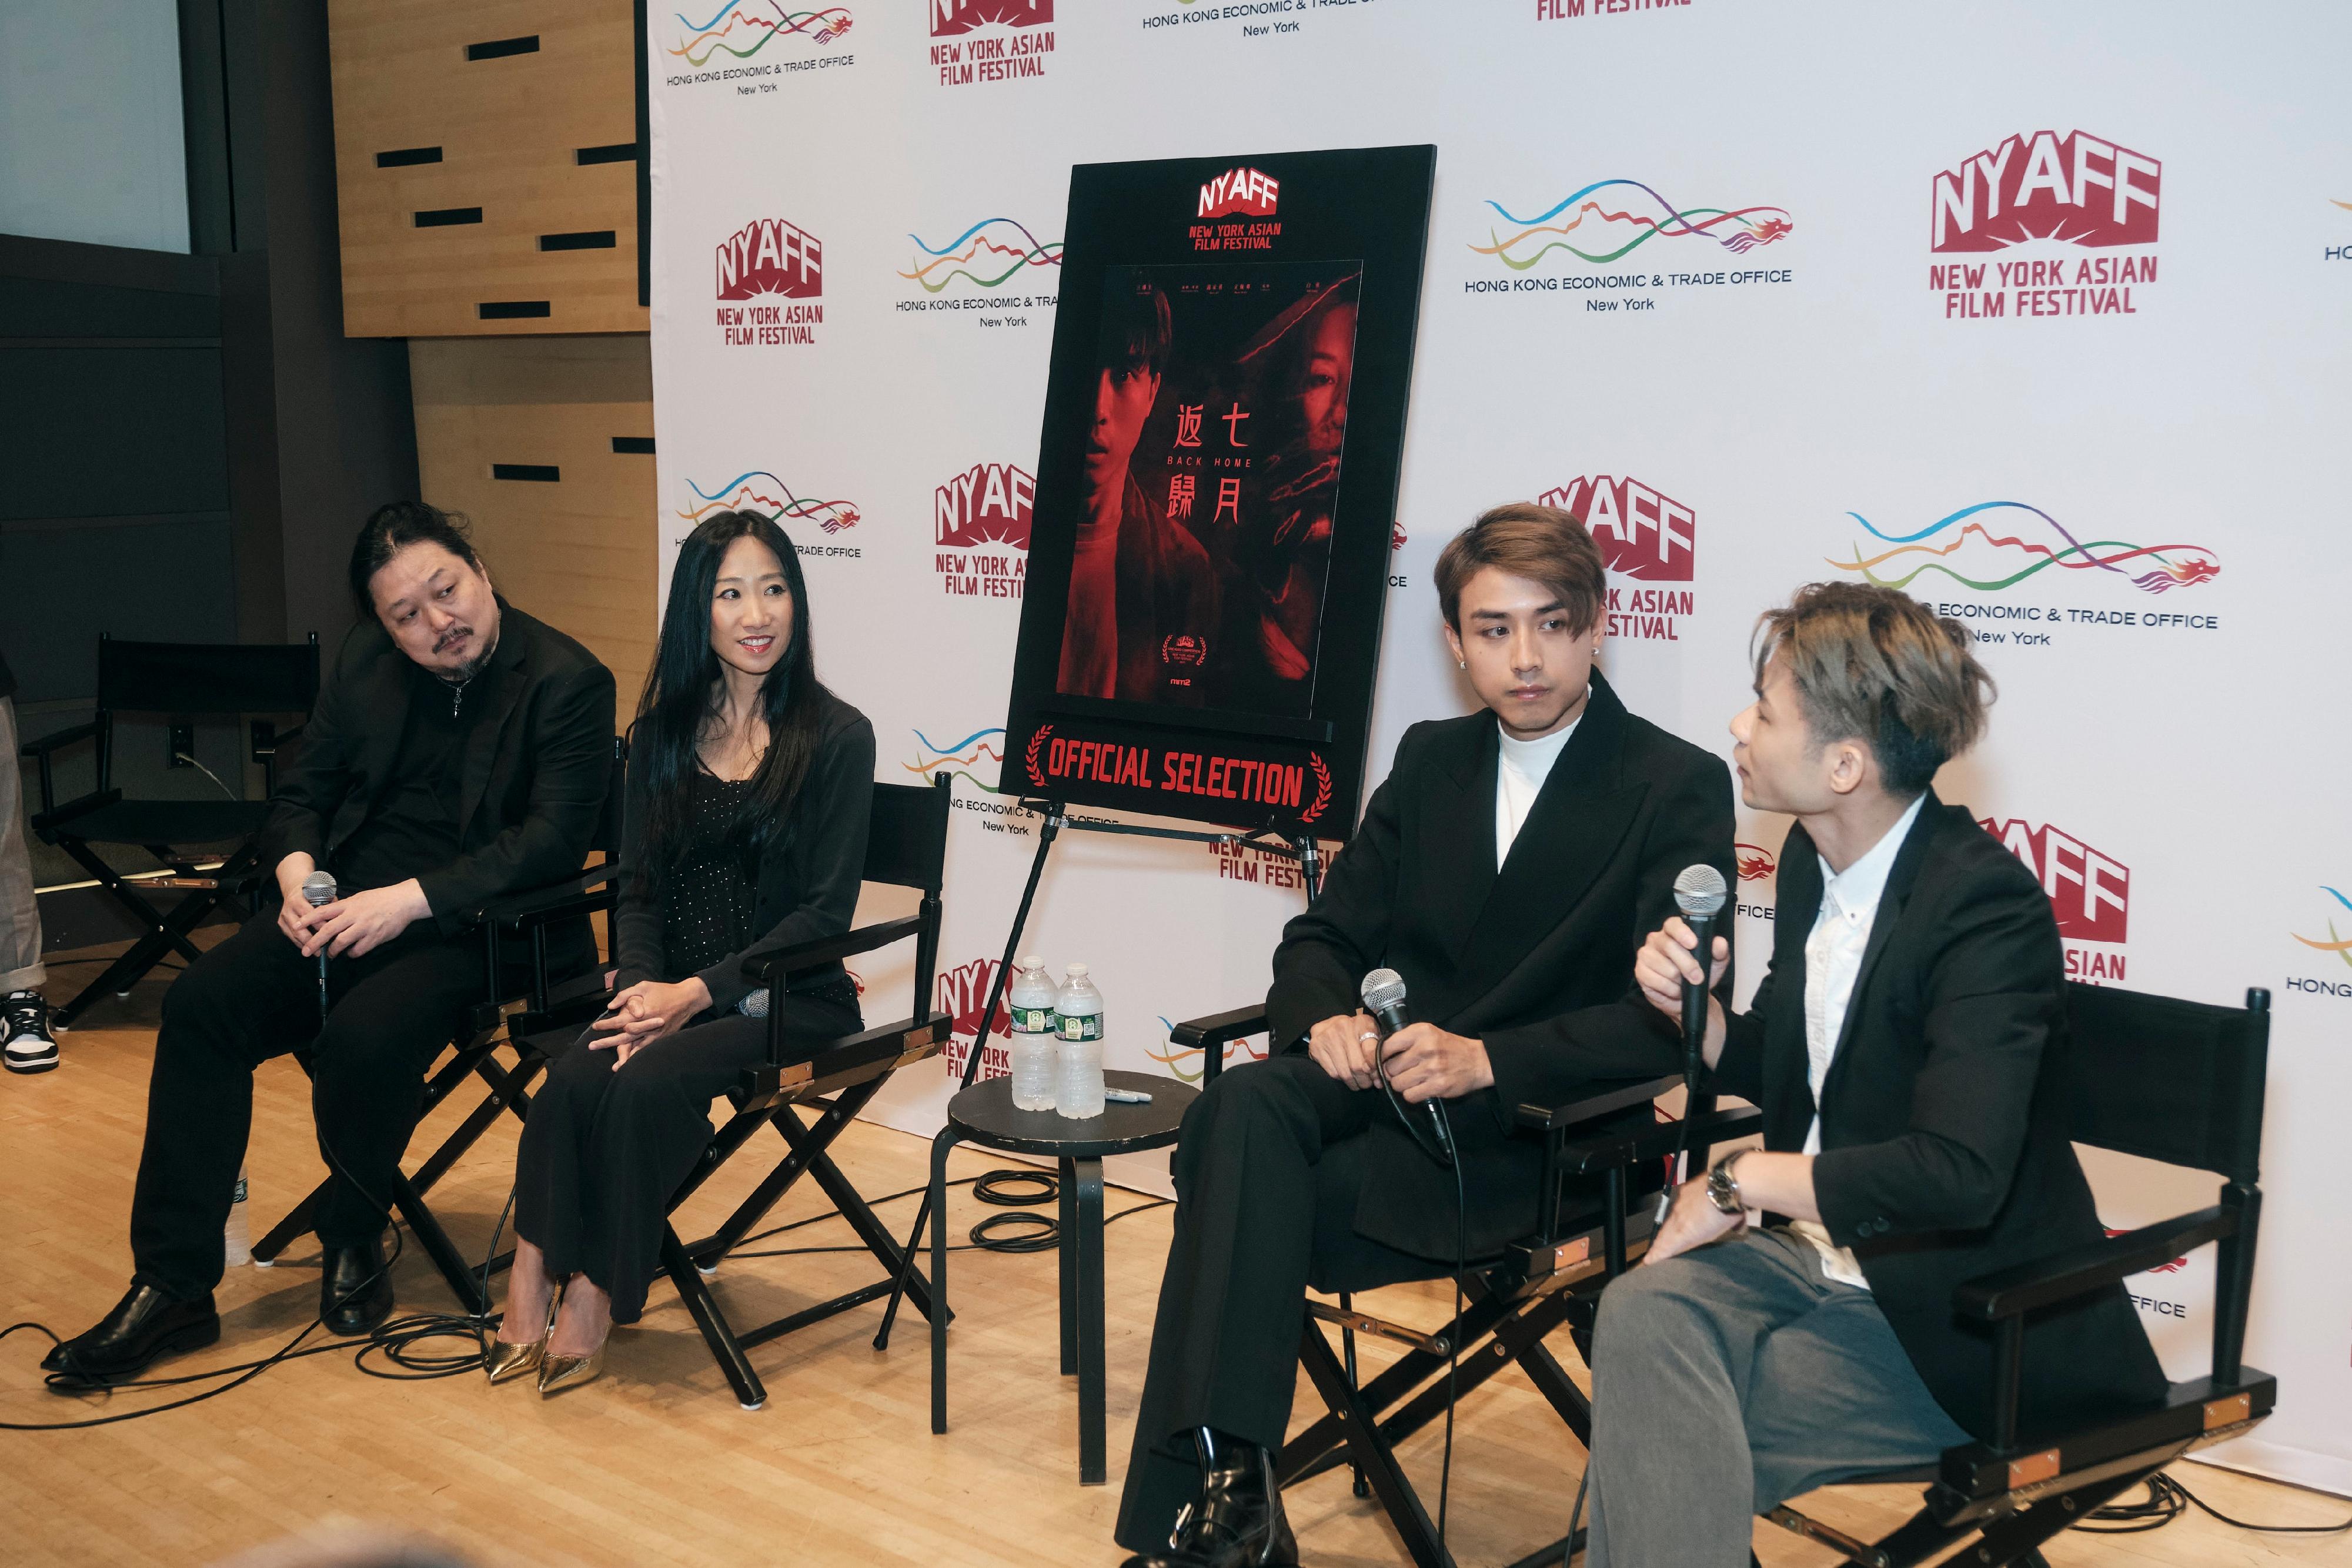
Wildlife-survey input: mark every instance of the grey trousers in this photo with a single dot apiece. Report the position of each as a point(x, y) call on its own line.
point(20, 918)
point(1730, 1379)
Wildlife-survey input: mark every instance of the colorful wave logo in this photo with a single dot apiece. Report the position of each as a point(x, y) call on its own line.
point(981, 747)
point(2336, 942)
point(753, 491)
point(743, 30)
point(989, 247)
point(1738, 230)
point(1941, 545)
point(1189, 1063)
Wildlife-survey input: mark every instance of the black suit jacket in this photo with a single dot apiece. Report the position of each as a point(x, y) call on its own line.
point(1944, 1149)
point(810, 868)
point(536, 769)
point(1534, 959)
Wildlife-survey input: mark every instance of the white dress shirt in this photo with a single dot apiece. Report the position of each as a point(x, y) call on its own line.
point(1519, 775)
point(1833, 963)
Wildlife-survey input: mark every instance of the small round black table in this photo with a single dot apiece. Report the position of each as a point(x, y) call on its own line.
point(985, 1114)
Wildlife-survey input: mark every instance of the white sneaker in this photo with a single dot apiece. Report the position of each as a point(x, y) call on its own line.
point(26, 1044)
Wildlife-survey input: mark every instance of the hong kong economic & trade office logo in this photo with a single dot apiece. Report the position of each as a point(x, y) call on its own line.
point(1649, 542)
point(980, 526)
point(2089, 891)
point(2335, 919)
point(1634, 245)
point(768, 283)
point(1982, 553)
point(2066, 226)
point(998, 266)
point(748, 47)
point(763, 490)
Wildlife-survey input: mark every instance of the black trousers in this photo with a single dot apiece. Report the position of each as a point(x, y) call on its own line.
point(255, 997)
point(1268, 1170)
point(603, 1149)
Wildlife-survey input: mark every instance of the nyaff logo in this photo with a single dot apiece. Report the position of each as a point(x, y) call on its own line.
point(981, 525)
point(1243, 191)
point(1000, 57)
point(954, 19)
point(2090, 893)
point(2076, 189)
point(2050, 196)
point(962, 993)
point(771, 256)
point(1645, 535)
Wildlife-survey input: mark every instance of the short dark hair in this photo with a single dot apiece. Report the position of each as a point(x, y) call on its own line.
point(1872, 664)
point(1542, 544)
point(393, 529)
point(1136, 330)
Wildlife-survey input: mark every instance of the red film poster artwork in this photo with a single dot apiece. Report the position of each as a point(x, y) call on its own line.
point(2059, 196)
point(2090, 893)
point(1244, 192)
point(953, 18)
point(770, 258)
point(961, 993)
point(1645, 535)
point(981, 525)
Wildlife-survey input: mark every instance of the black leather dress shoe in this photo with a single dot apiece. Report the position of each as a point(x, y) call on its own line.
point(145, 1325)
point(354, 1288)
point(1236, 1522)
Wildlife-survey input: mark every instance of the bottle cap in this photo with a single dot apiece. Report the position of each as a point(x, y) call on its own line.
point(1030, 962)
point(1075, 970)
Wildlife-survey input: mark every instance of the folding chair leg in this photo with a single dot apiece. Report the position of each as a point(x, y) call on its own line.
point(870, 1230)
point(295, 1224)
point(1552, 1381)
point(749, 1392)
point(468, 1133)
point(444, 1252)
point(936, 1201)
point(1396, 1494)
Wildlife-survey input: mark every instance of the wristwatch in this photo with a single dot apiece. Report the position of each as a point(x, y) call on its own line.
point(1723, 1186)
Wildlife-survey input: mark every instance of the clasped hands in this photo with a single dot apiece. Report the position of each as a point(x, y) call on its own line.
point(351, 927)
point(1424, 1061)
point(649, 1011)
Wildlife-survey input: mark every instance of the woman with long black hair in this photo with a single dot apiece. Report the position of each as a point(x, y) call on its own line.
point(743, 832)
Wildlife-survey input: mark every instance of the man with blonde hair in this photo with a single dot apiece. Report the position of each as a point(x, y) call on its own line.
point(1896, 1047)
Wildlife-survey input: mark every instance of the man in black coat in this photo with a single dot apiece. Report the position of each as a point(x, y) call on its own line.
point(1911, 1138)
point(1507, 870)
point(459, 751)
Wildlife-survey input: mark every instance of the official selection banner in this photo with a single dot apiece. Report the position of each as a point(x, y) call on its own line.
point(2038, 313)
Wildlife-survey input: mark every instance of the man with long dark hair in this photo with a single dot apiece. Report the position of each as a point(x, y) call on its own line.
point(459, 751)
point(744, 830)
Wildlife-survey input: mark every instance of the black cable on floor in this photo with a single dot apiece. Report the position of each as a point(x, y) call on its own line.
point(2167, 1499)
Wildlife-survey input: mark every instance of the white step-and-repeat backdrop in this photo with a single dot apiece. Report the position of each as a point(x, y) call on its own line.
point(2039, 312)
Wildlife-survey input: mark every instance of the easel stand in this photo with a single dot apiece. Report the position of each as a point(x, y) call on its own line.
point(1055, 817)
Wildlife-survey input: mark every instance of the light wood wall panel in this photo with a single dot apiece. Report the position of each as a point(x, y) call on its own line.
point(576, 550)
point(508, 130)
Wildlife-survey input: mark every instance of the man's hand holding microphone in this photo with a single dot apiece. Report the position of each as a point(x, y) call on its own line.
point(348, 926)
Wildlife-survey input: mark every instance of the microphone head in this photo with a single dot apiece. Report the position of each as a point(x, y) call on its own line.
point(1700, 891)
point(1381, 989)
point(319, 887)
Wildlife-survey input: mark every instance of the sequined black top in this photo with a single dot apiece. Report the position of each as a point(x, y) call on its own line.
point(713, 895)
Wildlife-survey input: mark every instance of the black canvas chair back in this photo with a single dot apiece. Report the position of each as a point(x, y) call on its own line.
point(2177, 1081)
point(206, 844)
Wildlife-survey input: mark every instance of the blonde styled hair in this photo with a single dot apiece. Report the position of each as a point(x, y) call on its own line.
point(1874, 664)
point(1542, 544)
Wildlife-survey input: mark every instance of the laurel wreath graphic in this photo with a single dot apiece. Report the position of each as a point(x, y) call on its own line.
point(1029, 758)
point(1322, 787)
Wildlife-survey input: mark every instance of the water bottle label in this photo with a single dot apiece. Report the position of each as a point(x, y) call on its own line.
point(1081, 1026)
point(1034, 1020)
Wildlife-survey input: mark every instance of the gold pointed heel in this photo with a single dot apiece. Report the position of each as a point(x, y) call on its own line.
point(558, 1372)
point(505, 1362)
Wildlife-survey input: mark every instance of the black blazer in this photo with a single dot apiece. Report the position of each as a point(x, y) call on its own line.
point(1944, 1150)
point(810, 868)
point(1535, 959)
point(536, 769)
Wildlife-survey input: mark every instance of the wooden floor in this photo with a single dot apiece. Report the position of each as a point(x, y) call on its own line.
point(654, 1464)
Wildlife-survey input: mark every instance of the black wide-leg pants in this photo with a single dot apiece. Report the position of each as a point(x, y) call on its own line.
point(1268, 1170)
point(255, 997)
point(604, 1149)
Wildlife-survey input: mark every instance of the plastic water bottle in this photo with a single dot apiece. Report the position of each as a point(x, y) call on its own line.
point(1078, 1073)
point(1034, 1001)
point(238, 1236)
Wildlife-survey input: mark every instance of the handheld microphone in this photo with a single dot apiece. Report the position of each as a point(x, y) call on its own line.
point(319, 889)
point(1700, 893)
point(1382, 994)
